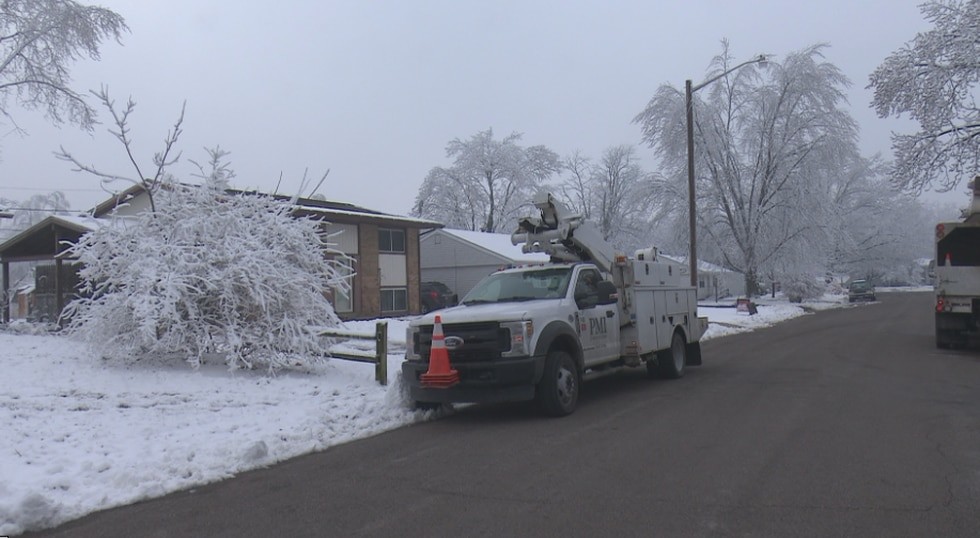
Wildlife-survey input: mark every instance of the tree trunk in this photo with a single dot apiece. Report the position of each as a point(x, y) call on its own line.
point(752, 283)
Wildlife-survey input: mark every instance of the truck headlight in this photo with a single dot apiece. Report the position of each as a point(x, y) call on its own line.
point(520, 338)
point(412, 344)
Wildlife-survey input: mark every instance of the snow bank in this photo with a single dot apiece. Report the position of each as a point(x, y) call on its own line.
point(82, 434)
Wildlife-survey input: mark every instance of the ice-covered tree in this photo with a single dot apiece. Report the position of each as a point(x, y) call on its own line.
point(934, 79)
point(765, 137)
point(487, 184)
point(29, 212)
point(160, 162)
point(39, 40)
point(575, 188)
point(615, 193)
point(207, 273)
point(869, 225)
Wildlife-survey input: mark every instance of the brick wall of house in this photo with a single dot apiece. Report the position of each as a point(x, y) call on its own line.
point(412, 269)
point(368, 295)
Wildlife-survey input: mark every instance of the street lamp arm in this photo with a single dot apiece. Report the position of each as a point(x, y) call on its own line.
point(689, 90)
point(762, 58)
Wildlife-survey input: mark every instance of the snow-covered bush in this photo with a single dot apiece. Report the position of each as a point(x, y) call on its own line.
point(802, 287)
point(207, 273)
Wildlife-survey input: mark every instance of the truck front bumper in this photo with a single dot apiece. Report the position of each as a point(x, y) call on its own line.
point(501, 380)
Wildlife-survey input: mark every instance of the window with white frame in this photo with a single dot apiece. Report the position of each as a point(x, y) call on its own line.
point(394, 299)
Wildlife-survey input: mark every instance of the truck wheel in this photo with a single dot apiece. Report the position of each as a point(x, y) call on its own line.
point(557, 392)
point(671, 364)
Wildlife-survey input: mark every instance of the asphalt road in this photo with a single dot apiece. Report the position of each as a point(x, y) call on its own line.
point(842, 423)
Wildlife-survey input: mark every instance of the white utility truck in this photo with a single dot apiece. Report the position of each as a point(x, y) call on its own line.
point(538, 331)
point(958, 277)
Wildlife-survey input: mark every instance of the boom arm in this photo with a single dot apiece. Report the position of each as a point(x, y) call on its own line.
point(563, 235)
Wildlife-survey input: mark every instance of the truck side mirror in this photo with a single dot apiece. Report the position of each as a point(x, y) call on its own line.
point(608, 294)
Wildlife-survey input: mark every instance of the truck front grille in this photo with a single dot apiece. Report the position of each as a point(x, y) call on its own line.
point(482, 341)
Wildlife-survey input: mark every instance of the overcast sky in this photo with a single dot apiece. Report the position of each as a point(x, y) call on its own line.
point(374, 90)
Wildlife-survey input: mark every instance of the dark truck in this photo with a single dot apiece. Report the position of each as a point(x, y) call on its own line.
point(860, 290)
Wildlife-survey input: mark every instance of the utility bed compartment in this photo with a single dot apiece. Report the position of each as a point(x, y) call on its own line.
point(658, 311)
point(658, 274)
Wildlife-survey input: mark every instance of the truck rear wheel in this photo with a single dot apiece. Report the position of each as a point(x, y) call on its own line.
point(557, 392)
point(670, 363)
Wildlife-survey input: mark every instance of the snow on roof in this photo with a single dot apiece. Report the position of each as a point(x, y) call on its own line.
point(703, 266)
point(371, 215)
point(498, 244)
point(83, 221)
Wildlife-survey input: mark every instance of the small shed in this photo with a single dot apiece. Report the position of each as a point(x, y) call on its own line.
point(461, 258)
point(45, 243)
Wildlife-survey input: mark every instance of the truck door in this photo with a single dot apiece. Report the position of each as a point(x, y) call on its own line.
point(598, 324)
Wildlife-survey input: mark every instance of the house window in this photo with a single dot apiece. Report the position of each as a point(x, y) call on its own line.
point(394, 300)
point(391, 241)
point(343, 295)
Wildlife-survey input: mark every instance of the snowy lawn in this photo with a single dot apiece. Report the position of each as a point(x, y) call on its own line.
point(81, 434)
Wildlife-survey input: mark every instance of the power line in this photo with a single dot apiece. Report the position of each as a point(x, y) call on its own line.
point(48, 189)
point(47, 209)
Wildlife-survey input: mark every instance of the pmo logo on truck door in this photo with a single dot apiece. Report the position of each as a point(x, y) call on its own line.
point(597, 326)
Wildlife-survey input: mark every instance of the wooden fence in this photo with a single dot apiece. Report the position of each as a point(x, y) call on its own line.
point(380, 356)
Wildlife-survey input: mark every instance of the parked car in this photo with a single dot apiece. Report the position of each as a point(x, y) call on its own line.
point(436, 295)
point(860, 290)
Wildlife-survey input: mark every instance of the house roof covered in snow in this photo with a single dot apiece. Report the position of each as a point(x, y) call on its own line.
point(498, 244)
point(45, 239)
point(703, 266)
point(328, 209)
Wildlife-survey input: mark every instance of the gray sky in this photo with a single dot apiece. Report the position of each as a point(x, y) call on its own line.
point(374, 90)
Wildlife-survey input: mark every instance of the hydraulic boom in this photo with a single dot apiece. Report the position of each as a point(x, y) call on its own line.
point(563, 235)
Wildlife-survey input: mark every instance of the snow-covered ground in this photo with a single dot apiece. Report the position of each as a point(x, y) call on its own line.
point(81, 434)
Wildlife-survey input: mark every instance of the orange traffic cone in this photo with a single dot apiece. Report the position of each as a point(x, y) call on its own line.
point(440, 375)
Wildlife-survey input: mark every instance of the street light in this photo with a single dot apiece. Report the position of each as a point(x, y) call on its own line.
point(689, 92)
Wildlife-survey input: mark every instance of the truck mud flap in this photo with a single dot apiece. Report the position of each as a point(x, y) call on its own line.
point(693, 354)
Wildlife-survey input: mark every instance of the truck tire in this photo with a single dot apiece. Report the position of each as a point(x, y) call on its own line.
point(557, 393)
point(671, 362)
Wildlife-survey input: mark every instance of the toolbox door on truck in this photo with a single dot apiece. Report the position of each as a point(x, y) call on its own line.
point(598, 321)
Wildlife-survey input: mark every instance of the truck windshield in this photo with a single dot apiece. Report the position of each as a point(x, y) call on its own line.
point(507, 287)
